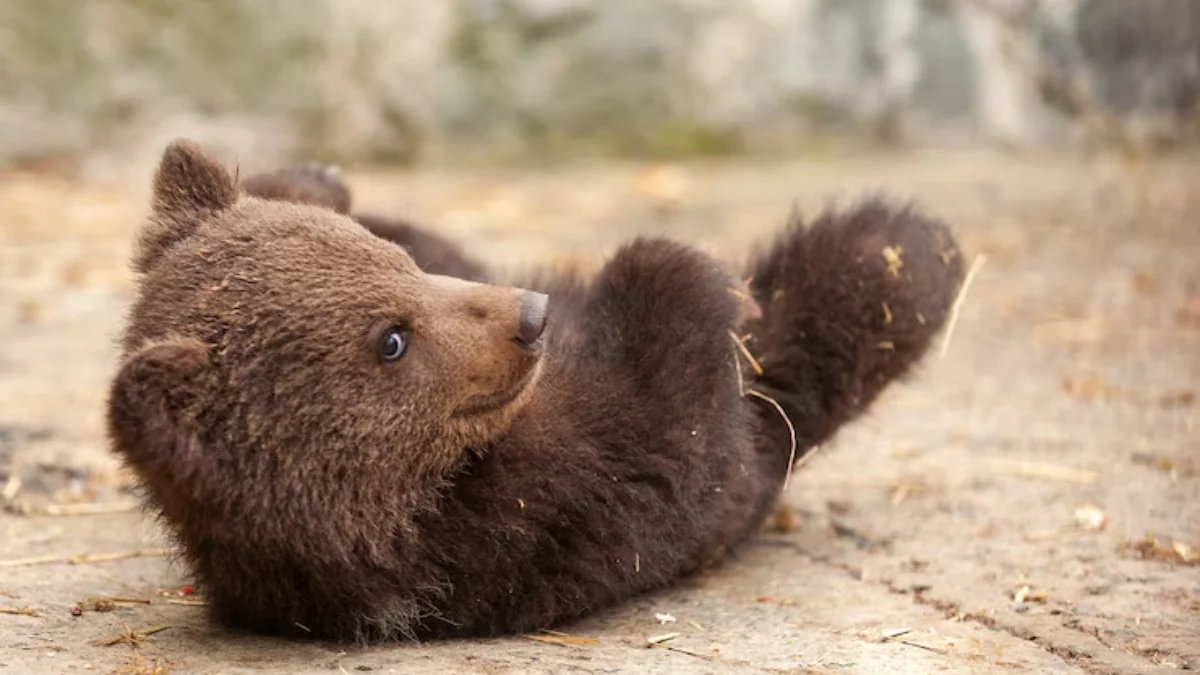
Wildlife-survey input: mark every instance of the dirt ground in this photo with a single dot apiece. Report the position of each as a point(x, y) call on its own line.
point(990, 517)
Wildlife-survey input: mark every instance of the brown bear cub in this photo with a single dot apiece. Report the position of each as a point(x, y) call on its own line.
point(347, 443)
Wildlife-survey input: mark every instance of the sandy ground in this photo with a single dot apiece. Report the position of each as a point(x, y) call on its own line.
point(954, 530)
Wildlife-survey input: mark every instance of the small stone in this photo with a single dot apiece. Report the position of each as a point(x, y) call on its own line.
point(1090, 517)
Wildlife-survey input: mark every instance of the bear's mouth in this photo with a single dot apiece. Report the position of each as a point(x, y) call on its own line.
point(501, 400)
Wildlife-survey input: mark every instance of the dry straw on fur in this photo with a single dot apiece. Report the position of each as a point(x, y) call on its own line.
point(741, 346)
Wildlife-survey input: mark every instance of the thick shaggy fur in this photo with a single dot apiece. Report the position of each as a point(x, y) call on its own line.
point(317, 491)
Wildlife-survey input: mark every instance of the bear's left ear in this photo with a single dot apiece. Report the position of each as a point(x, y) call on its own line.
point(189, 188)
point(151, 415)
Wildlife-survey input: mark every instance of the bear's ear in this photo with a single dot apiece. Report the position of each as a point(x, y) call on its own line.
point(151, 415)
point(189, 187)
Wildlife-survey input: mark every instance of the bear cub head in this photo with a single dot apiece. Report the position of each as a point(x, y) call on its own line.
point(292, 382)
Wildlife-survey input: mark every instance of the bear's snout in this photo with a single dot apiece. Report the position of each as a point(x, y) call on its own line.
point(533, 319)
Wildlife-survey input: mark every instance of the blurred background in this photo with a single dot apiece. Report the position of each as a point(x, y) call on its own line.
point(94, 88)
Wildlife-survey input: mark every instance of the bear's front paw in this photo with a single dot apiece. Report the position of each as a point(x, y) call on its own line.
point(329, 175)
point(661, 287)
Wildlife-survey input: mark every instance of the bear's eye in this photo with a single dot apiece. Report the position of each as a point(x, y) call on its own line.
point(394, 342)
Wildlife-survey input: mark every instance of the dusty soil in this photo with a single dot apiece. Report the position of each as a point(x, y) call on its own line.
point(954, 530)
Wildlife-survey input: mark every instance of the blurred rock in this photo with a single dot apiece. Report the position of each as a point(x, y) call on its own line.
point(99, 87)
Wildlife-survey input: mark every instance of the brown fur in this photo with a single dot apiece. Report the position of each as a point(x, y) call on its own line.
point(318, 491)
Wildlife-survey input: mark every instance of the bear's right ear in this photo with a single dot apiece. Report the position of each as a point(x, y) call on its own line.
point(189, 187)
point(151, 415)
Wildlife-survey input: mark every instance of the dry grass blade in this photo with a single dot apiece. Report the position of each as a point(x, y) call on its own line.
point(562, 640)
point(758, 369)
point(689, 652)
point(185, 602)
point(87, 558)
point(976, 265)
point(740, 295)
point(37, 560)
point(19, 611)
point(84, 509)
point(105, 604)
point(660, 642)
point(1050, 472)
point(791, 431)
point(1086, 330)
point(120, 555)
point(130, 636)
point(659, 639)
point(125, 601)
point(929, 648)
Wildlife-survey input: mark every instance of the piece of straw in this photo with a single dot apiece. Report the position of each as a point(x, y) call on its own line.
point(791, 430)
point(976, 264)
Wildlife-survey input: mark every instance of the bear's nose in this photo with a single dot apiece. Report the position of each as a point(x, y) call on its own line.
point(533, 318)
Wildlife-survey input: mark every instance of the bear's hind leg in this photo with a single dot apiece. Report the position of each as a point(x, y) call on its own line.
point(322, 185)
point(433, 253)
point(316, 184)
point(850, 305)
